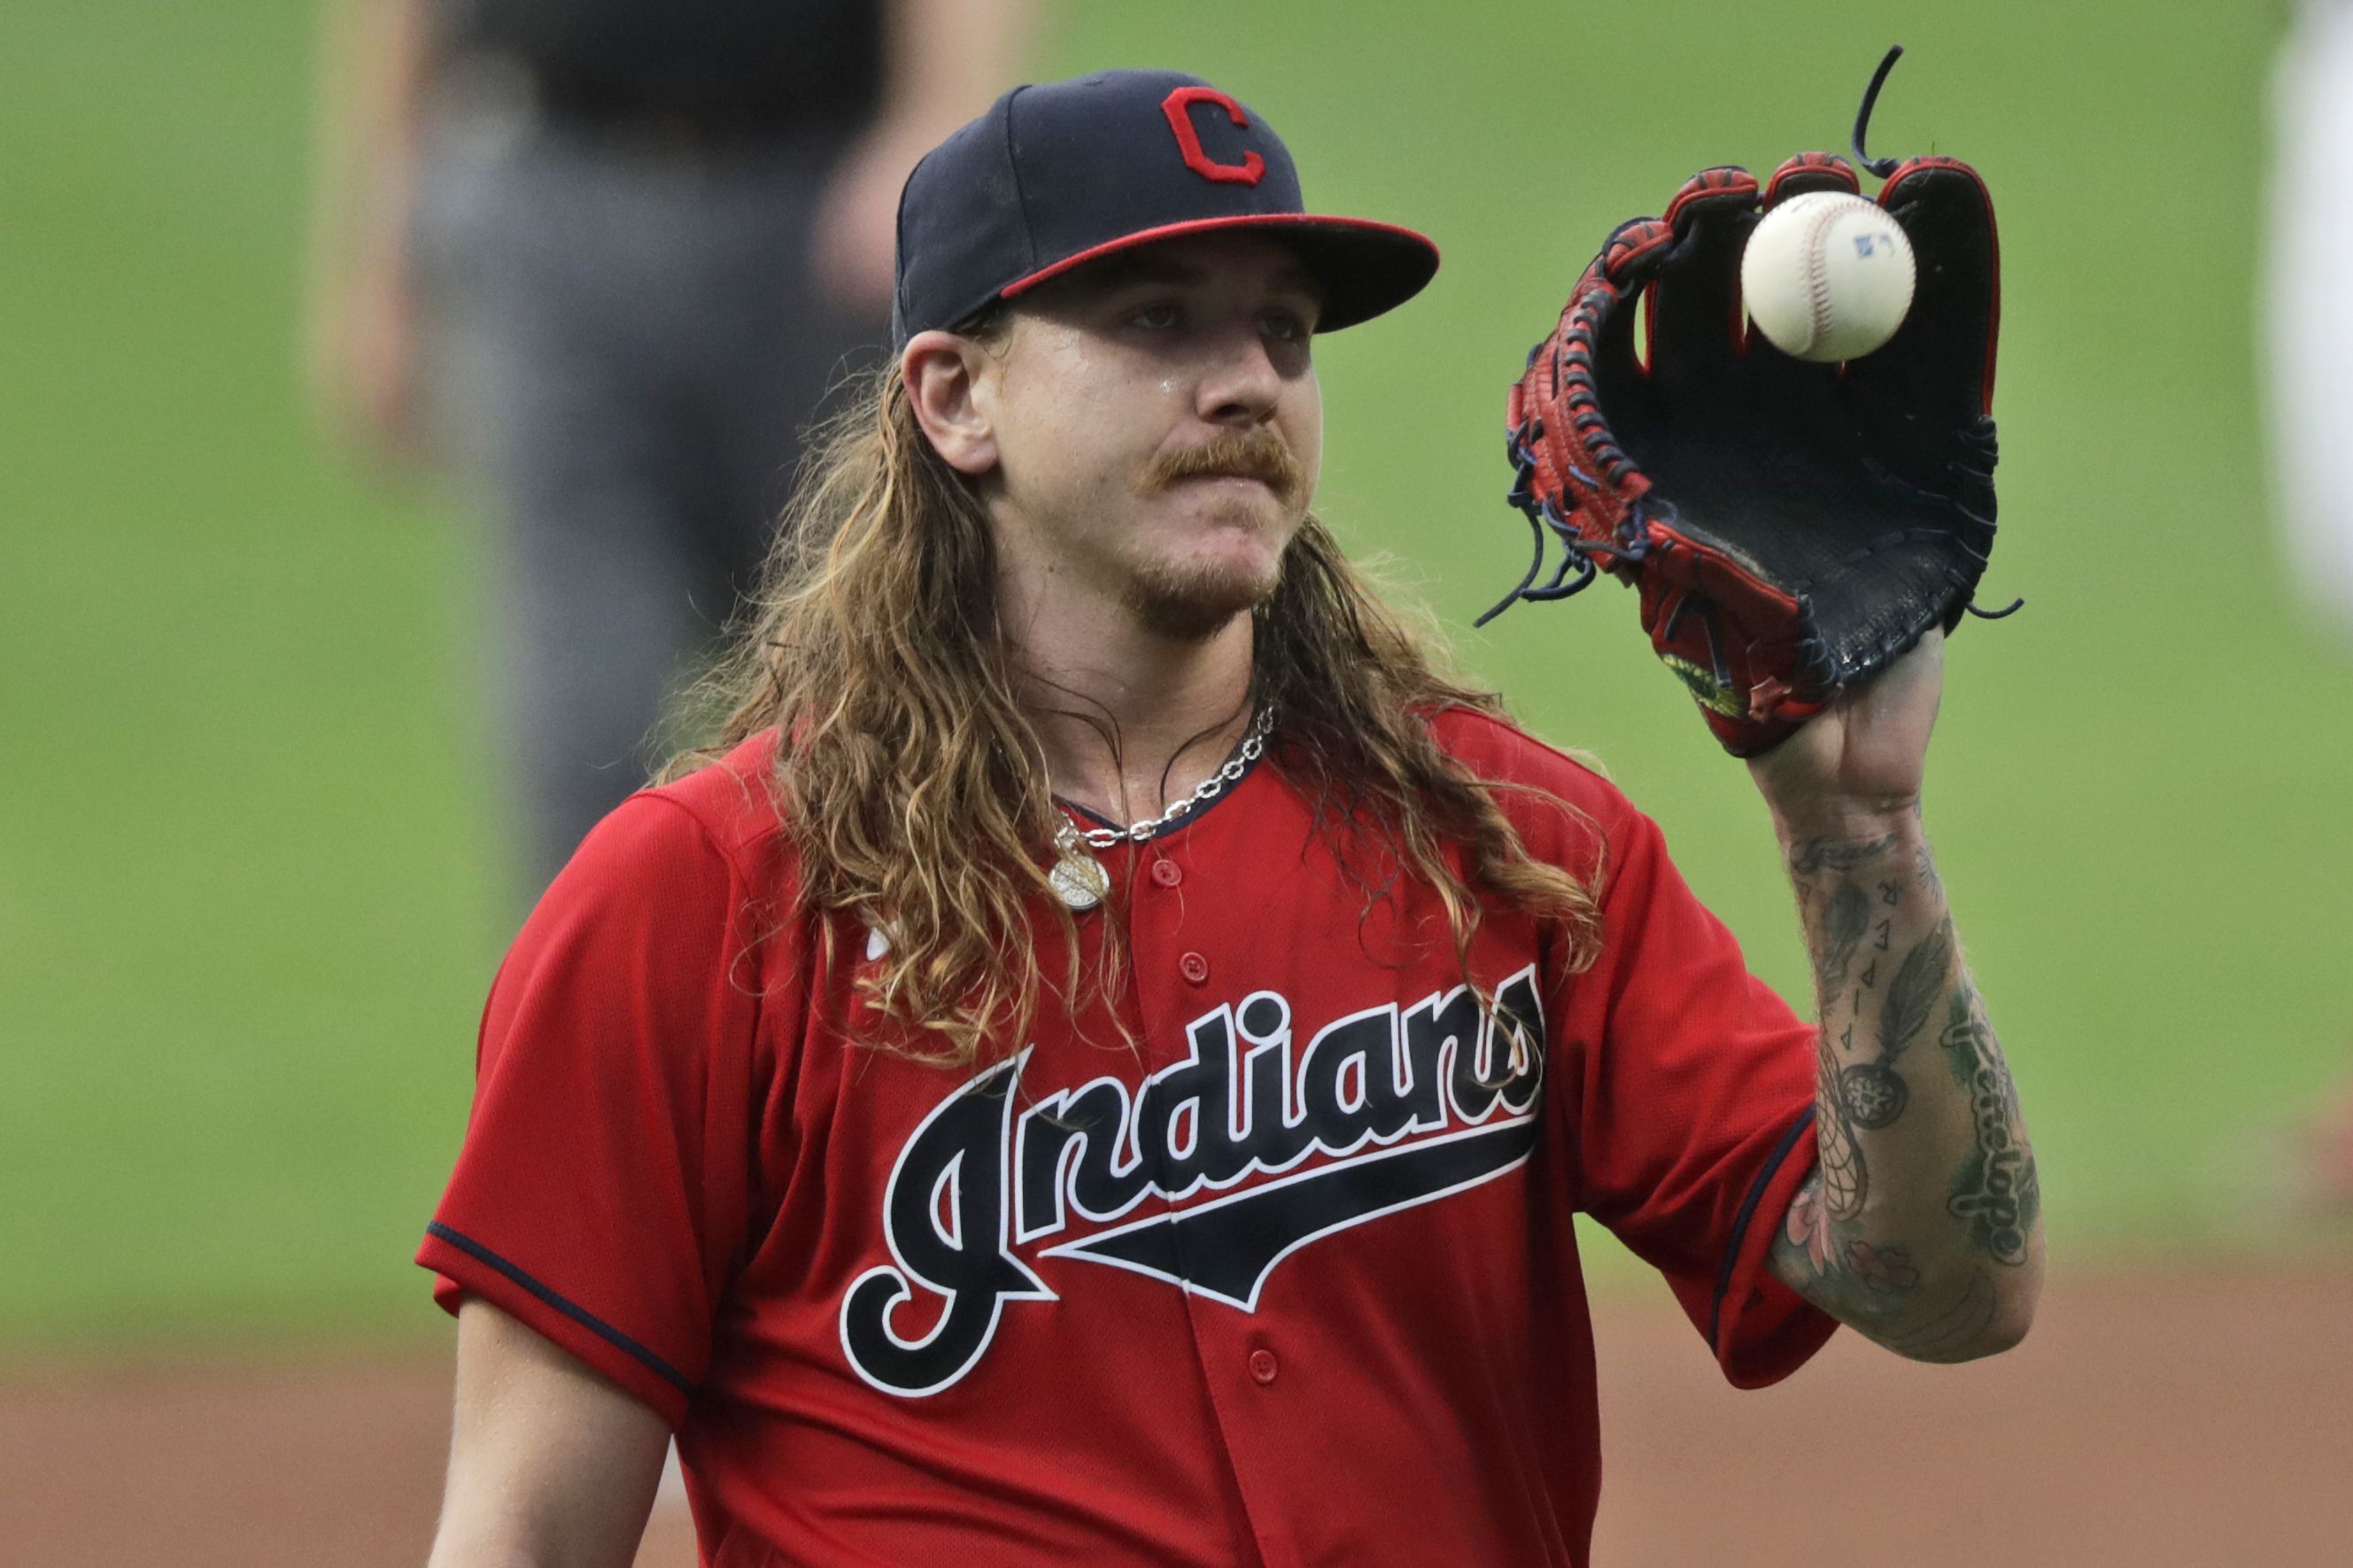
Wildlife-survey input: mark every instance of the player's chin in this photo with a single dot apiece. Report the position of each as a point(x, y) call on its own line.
point(1217, 557)
point(1194, 599)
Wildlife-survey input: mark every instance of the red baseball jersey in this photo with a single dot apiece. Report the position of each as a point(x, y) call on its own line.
point(1288, 1279)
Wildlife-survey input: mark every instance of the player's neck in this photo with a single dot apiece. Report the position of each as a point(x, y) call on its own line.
point(1177, 707)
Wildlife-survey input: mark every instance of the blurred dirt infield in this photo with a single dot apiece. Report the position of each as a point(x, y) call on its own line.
point(2148, 1420)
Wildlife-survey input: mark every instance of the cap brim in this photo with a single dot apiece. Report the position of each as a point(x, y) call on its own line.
point(1364, 268)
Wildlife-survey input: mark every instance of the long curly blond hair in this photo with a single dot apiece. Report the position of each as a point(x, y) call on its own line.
point(912, 784)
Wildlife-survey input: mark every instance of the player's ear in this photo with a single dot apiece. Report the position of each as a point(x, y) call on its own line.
point(943, 374)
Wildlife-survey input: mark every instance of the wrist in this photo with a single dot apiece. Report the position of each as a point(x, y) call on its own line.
point(1846, 820)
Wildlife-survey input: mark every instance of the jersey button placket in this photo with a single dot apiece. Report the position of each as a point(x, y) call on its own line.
point(1175, 935)
point(1168, 981)
point(1264, 1367)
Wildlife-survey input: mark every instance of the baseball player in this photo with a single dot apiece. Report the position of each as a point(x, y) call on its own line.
point(1100, 1061)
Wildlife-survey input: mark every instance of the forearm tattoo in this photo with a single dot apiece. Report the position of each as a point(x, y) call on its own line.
point(1873, 1093)
point(1879, 998)
point(1846, 919)
point(1997, 1191)
point(1845, 1182)
point(1838, 855)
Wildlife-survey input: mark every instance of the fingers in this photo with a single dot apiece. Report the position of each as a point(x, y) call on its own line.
point(1694, 305)
point(1628, 262)
point(1806, 173)
point(1810, 171)
point(1940, 363)
point(1697, 324)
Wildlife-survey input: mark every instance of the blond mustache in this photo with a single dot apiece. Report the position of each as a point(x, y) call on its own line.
point(1256, 455)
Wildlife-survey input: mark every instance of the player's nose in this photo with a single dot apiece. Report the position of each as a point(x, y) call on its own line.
point(1240, 379)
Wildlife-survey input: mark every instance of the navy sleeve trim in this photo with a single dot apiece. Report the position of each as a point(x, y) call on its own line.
point(581, 1315)
point(1748, 1212)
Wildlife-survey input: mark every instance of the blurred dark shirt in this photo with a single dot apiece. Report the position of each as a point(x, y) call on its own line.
point(787, 63)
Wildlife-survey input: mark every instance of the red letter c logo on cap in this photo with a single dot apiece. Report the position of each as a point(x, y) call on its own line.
point(1178, 106)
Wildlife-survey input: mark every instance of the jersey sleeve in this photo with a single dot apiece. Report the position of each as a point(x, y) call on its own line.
point(602, 1192)
point(1695, 1123)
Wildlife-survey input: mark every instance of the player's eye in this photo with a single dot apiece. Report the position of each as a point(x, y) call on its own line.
point(1158, 317)
point(1288, 326)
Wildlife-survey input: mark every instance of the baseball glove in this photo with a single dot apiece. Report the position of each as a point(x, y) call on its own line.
point(1792, 527)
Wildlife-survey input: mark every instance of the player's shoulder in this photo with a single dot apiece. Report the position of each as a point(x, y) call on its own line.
point(731, 798)
point(1564, 806)
point(720, 817)
point(1494, 747)
point(1558, 801)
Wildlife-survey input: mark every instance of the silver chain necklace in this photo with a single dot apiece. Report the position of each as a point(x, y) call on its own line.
point(1079, 878)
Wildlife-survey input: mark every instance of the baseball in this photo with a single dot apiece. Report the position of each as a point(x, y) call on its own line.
point(1827, 277)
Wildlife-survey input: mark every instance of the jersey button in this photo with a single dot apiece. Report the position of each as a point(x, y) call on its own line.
point(1166, 874)
point(1264, 1366)
point(1192, 966)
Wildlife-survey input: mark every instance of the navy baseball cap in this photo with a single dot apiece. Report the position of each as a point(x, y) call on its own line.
point(1054, 176)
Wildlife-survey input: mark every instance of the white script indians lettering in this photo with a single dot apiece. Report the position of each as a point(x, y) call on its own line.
point(1407, 1103)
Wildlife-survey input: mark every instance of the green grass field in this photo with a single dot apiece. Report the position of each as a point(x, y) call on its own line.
point(249, 895)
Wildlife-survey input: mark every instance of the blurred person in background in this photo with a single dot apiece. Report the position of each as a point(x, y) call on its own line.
point(606, 258)
point(2308, 344)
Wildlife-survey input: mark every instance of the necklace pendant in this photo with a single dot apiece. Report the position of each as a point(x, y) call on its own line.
point(1079, 878)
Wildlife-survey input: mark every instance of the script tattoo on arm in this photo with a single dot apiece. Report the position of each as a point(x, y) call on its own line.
point(1997, 1192)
